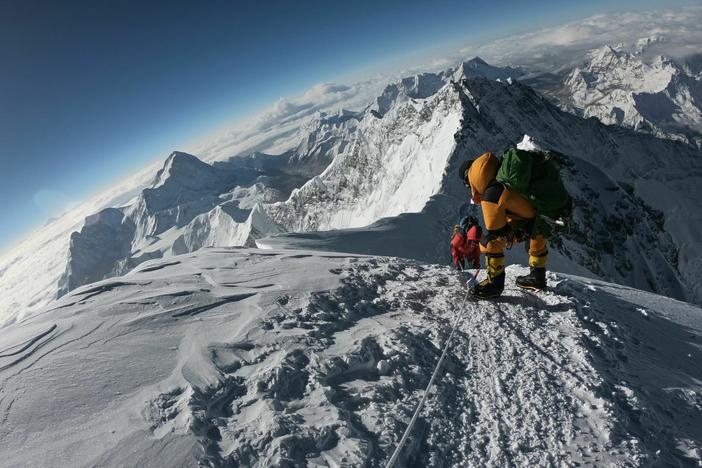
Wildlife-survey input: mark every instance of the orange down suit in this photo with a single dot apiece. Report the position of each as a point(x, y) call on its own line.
point(501, 206)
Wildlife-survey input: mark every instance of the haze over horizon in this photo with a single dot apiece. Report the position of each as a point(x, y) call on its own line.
point(92, 92)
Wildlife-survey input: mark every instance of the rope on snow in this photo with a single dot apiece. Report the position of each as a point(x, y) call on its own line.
point(398, 450)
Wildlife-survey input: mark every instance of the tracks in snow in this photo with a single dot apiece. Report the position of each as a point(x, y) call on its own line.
point(301, 359)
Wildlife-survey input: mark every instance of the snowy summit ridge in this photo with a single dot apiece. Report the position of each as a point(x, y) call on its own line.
point(238, 357)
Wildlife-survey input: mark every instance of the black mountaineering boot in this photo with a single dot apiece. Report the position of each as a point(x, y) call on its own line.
point(535, 280)
point(490, 287)
point(493, 285)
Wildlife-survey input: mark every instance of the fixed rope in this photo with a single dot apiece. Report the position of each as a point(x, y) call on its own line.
point(398, 450)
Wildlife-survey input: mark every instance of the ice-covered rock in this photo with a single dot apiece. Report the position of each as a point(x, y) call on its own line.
point(479, 68)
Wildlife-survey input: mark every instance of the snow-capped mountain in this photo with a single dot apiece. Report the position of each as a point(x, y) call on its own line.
point(242, 357)
point(393, 164)
point(36, 271)
point(31, 269)
point(479, 68)
point(632, 224)
point(619, 87)
point(189, 205)
point(424, 85)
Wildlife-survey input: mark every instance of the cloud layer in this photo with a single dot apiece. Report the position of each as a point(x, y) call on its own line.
point(678, 32)
point(675, 33)
point(276, 129)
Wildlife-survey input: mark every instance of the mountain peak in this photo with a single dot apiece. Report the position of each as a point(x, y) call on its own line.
point(180, 159)
point(181, 165)
point(475, 61)
point(606, 53)
point(477, 67)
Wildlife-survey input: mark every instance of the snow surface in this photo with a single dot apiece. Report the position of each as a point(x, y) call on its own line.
point(243, 357)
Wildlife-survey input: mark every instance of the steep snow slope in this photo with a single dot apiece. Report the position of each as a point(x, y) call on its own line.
point(391, 166)
point(623, 229)
point(240, 357)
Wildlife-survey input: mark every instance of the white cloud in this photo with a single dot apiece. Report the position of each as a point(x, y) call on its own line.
point(560, 45)
point(276, 128)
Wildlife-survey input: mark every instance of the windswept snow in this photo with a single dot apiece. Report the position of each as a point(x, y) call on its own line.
point(30, 271)
point(236, 357)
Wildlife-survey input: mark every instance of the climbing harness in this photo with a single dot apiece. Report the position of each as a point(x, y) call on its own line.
point(408, 430)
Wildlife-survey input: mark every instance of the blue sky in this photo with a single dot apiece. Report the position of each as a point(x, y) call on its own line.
point(91, 91)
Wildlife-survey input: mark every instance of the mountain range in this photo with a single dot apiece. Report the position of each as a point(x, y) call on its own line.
point(288, 305)
point(653, 94)
point(634, 221)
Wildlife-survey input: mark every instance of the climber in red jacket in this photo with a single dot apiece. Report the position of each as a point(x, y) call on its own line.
point(465, 243)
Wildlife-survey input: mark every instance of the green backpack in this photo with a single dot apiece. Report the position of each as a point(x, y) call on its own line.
point(536, 176)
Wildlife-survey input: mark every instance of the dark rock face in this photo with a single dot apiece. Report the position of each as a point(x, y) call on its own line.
point(97, 248)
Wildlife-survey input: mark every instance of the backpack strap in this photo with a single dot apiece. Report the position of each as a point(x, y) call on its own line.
point(493, 192)
point(495, 234)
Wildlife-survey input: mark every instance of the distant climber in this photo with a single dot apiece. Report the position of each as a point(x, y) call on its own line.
point(465, 249)
point(521, 196)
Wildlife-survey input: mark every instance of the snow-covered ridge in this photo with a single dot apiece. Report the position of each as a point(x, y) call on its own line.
point(621, 229)
point(189, 205)
point(237, 357)
point(391, 165)
point(351, 169)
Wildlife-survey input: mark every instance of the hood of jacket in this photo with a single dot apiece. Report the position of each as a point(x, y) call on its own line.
point(481, 173)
